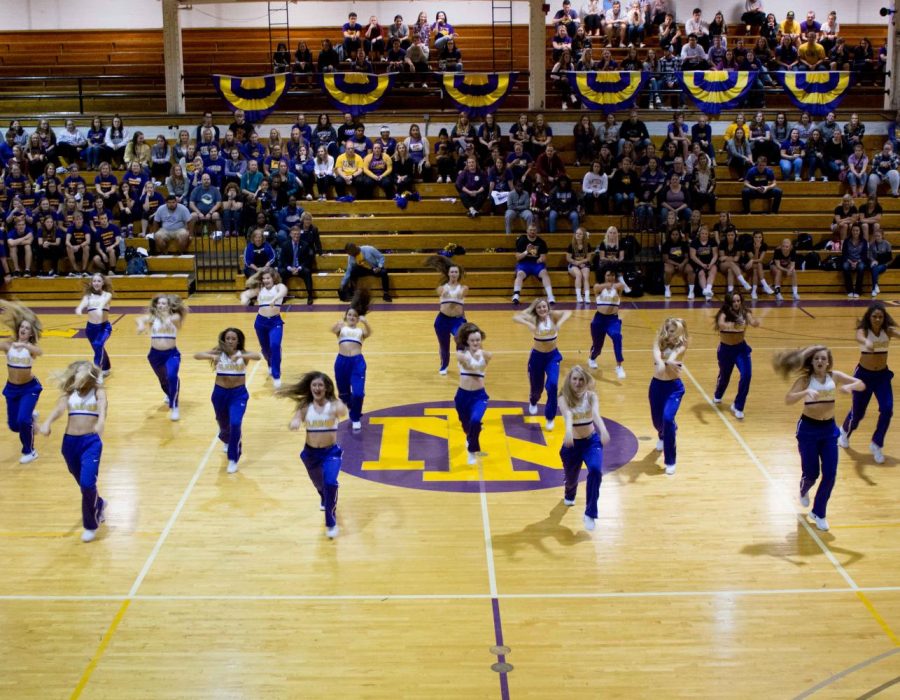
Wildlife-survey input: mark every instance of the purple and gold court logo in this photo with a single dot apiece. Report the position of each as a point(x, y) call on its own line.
point(423, 446)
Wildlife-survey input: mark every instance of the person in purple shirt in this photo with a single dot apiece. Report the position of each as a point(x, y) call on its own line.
point(472, 185)
point(6, 148)
point(352, 32)
point(566, 17)
point(215, 165)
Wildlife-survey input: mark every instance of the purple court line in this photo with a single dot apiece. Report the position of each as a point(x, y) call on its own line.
point(483, 306)
point(501, 658)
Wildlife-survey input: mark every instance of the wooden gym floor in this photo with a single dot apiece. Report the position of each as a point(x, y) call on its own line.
point(204, 584)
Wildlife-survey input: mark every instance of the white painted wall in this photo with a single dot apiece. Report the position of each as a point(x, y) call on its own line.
point(147, 14)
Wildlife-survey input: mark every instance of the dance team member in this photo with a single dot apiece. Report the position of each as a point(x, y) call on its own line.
point(320, 411)
point(84, 398)
point(165, 316)
point(731, 322)
point(545, 358)
point(350, 365)
point(22, 389)
point(471, 398)
point(452, 293)
point(606, 321)
point(97, 295)
point(666, 388)
point(229, 398)
point(817, 432)
point(266, 287)
point(873, 332)
point(583, 442)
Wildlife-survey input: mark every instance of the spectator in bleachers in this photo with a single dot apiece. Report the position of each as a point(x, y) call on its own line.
point(704, 256)
point(585, 135)
point(499, 184)
point(549, 167)
point(463, 133)
point(48, 140)
point(417, 55)
point(828, 31)
point(443, 31)
point(581, 42)
point(754, 15)
point(398, 30)
point(563, 204)
point(232, 209)
point(678, 134)
point(49, 247)
point(560, 78)
point(377, 172)
point(194, 171)
point(790, 28)
point(636, 24)
point(240, 127)
point(309, 234)
point(624, 185)
point(303, 59)
point(347, 169)
point(814, 157)
point(759, 183)
point(116, 141)
point(78, 246)
point(397, 62)
point(616, 23)
point(836, 156)
point(70, 143)
point(352, 37)
point(106, 185)
point(422, 30)
point(521, 130)
point(181, 147)
point(587, 62)
point(347, 129)
point(472, 185)
point(235, 166)
point(811, 55)
point(373, 39)
point(137, 151)
point(149, 201)
point(716, 55)
point(531, 261)
point(880, 257)
point(592, 18)
point(541, 135)
point(258, 254)
point(136, 176)
point(489, 135)
point(675, 198)
point(854, 260)
point(885, 168)
point(518, 206)
point(36, 156)
point(793, 152)
point(652, 182)
point(361, 143)
point(863, 62)
point(702, 187)
point(363, 261)
point(73, 180)
point(606, 61)
point(19, 240)
point(297, 260)
point(839, 56)
point(786, 56)
point(323, 171)
point(160, 159)
point(287, 217)
point(632, 130)
point(520, 163)
point(668, 34)
point(7, 148)
point(567, 18)
point(696, 26)
point(870, 216)
point(328, 60)
point(49, 175)
point(325, 135)
point(828, 126)
point(52, 195)
point(404, 169)
point(845, 214)
point(302, 166)
point(205, 205)
point(170, 226)
point(106, 238)
point(854, 130)
point(771, 32)
point(205, 123)
point(450, 57)
point(359, 62)
point(810, 27)
point(21, 138)
point(669, 66)
point(444, 159)
point(176, 184)
point(281, 59)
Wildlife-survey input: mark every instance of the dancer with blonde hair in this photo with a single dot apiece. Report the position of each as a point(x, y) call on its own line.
point(22, 389)
point(266, 287)
point(164, 319)
point(666, 387)
point(97, 295)
point(452, 314)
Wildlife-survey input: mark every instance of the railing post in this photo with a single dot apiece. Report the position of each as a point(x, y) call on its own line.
point(81, 95)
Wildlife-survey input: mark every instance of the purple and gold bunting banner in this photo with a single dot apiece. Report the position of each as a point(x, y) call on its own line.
point(257, 96)
point(478, 93)
point(357, 93)
point(717, 90)
point(816, 92)
point(608, 91)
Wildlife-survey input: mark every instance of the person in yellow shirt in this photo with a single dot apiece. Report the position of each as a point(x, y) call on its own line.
point(811, 54)
point(791, 28)
point(348, 170)
point(738, 123)
point(377, 168)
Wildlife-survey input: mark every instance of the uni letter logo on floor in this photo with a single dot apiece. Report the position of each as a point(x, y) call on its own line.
point(422, 446)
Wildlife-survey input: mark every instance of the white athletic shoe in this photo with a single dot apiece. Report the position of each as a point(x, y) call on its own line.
point(875, 291)
point(88, 535)
point(804, 499)
point(843, 439)
point(443, 372)
point(532, 409)
point(548, 426)
point(332, 532)
point(232, 466)
point(567, 502)
point(173, 414)
point(753, 294)
point(670, 469)
point(796, 295)
point(592, 363)
point(276, 383)
point(589, 523)
point(668, 292)
point(578, 298)
point(620, 372)
point(33, 455)
point(779, 296)
point(767, 289)
point(321, 506)
point(356, 426)
point(717, 399)
point(471, 458)
point(660, 446)
point(820, 523)
point(873, 448)
point(691, 294)
point(737, 414)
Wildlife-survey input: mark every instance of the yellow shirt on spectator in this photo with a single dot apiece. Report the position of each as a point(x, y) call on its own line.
point(344, 167)
point(791, 27)
point(812, 54)
point(731, 128)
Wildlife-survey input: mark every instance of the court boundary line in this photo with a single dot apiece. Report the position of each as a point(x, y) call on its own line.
point(801, 518)
point(831, 680)
point(148, 564)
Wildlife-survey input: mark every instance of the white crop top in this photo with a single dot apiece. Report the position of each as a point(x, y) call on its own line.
point(452, 295)
point(98, 302)
point(476, 367)
point(740, 326)
point(163, 329)
point(18, 358)
point(267, 297)
point(546, 331)
point(825, 390)
point(230, 367)
point(350, 335)
point(609, 296)
point(321, 420)
point(583, 413)
point(84, 405)
point(879, 342)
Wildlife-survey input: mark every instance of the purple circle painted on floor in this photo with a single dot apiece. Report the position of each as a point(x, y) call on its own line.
point(423, 446)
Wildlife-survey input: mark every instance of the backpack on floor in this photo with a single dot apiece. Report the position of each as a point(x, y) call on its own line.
point(135, 263)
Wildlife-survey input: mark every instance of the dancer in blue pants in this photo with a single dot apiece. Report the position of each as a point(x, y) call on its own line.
point(97, 295)
point(471, 399)
point(873, 332)
point(267, 288)
point(22, 388)
point(163, 319)
point(606, 321)
point(350, 365)
point(230, 396)
point(320, 411)
point(817, 434)
point(545, 358)
point(84, 399)
point(666, 388)
point(583, 442)
point(731, 322)
point(452, 313)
